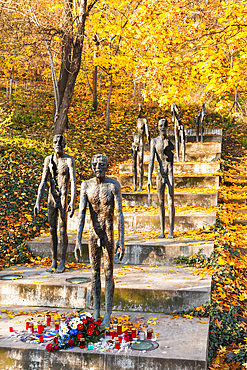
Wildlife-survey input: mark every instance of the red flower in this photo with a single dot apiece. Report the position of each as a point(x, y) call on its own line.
point(55, 340)
point(89, 331)
point(79, 335)
point(84, 321)
point(91, 319)
point(56, 347)
point(71, 342)
point(79, 326)
point(96, 332)
point(49, 347)
point(91, 326)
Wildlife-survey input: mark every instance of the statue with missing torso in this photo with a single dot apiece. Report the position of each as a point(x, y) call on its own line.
point(59, 169)
point(101, 194)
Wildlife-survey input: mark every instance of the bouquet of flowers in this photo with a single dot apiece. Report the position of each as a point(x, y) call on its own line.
point(80, 325)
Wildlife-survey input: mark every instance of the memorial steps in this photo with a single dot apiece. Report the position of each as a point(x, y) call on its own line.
point(147, 282)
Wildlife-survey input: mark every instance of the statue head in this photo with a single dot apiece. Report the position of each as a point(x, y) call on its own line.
point(162, 126)
point(59, 144)
point(100, 165)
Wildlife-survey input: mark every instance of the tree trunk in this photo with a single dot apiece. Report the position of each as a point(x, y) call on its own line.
point(95, 95)
point(107, 125)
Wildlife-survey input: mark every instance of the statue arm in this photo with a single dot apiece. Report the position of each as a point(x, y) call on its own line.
point(42, 186)
point(147, 131)
point(151, 163)
point(120, 248)
point(81, 221)
point(71, 206)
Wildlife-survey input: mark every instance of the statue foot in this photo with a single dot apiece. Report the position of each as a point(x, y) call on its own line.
point(170, 236)
point(139, 189)
point(161, 235)
point(61, 267)
point(134, 188)
point(106, 321)
point(53, 267)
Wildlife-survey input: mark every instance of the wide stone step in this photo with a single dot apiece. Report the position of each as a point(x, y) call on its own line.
point(145, 289)
point(199, 181)
point(144, 221)
point(183, 344)
point(138, 251)
point(179, 167)
point(180, 199)
point(209, 135)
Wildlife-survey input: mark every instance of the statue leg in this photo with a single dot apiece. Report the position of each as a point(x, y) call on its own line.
point(52, 219)
point(108, 253)
point(161, 198)
point(176, 140)
point(171, 207)
point(140, 168)
point(134, 168)
point(63, 237)
point(95, 259)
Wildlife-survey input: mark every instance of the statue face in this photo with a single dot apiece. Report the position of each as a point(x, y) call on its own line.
point(59, 143)
point(100, 166)
point(162, 126)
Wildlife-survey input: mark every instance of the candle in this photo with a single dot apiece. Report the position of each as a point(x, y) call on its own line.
point(117, 344)
point(120, 339)
point(129, 333)
point(133, 333)
point(82, 343)
point(27, 325)
point(48, 320)
point(107, 335)
point(41, 339)
point(11, 329)
point(56, 325)
point(141, 335)
point(30, 329)
point(90, 345)
point(40, 328)
point(149, 333)
point(119, 329)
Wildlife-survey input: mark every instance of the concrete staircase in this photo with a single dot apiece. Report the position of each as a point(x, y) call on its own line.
point(147, 280)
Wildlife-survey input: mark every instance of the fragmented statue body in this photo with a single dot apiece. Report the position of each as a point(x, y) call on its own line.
point(59, 169)
point(101, 194)
point(162, 147)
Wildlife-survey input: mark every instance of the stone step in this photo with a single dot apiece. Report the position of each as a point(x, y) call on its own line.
point(163, 289)
point(182, 344)
point(202, 181)
point(240, 222)
point(195, 156)
point(144, 221)
point(241, 210)
point(138, 251)
point(204, 147)
point(179, 167)
point(237, 200)
point(180, 199)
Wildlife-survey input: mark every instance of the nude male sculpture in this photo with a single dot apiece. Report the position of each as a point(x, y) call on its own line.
point(137, 150)
point(101, 193)
point(59, 169)
point(162, 147)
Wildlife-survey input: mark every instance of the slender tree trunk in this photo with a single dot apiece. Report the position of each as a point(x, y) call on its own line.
point(95, 95)
point(108, 105)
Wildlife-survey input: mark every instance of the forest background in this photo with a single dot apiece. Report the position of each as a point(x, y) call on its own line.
point(81, 68)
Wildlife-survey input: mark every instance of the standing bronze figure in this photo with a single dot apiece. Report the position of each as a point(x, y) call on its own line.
point(137, 151)
point(59, 169)
point(101, 193)
point(162, 147)
point(179, 132)
point(200, 120)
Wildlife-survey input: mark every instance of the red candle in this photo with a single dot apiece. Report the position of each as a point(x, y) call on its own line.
point(117, 344)
point(120, 339)
point(133, 333)
point(41, 339)
point(11, 329)
point(126, 338)
point(56, 326)
point(119, 330)
point(40, 328)
point(129, 333)
point(82, 343)
point(149, 333)
point(27, 325)
point(48, 320)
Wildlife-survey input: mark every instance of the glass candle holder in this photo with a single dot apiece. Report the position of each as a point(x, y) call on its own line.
point(119, 329)
point(56, 325)
point(129, 333)
point(27, 325)
point(117, 344)
point(90, 345)
point(141, 335)
point(82, 343)
point(133, 332)
point(107, 335)
point(149, 333)
point(39, 328)
point(48, 320)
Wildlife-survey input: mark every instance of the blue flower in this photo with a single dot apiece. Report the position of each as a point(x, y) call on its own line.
point(73, 331)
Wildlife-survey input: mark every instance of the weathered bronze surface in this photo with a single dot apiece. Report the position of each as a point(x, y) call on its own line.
point(162, 147)
point(179, 132)
point(59, 169)
point(101, 194)
point(199, 124)
point(137, 151)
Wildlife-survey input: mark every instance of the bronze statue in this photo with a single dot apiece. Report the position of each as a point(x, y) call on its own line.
point(179, 132)
point(200, 119)
point(162, 147)
point(101, 193)
point(137, 151)
point(59, 168)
